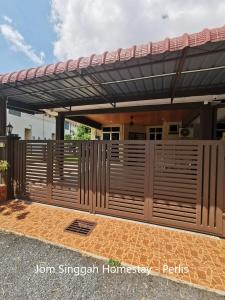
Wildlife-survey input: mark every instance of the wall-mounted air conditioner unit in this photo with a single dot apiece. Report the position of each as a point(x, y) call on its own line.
point(186, 132)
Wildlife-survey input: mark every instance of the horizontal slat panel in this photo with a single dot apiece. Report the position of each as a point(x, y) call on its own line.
point(126, 200)
point(174, 212)
point(174, 217)
point(126, 209)
point(125, 205)
point(159, 192)
point(174, 198)
point(175, 182)
point(124, 191)
point(175, 207)
point(126, 196)
point(175, 190)
point(175, 202)
point(176, 175)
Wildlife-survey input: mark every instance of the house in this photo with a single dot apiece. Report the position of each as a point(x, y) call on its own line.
point(157, 113)
point(36, 126)
point(162, 125)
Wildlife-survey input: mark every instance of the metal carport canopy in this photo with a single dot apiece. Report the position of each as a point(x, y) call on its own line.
point(189, 65)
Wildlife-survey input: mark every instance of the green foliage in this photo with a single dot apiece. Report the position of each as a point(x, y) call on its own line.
point(68, 137)
point(3, 165)
point(114, 263)
point(83, 133)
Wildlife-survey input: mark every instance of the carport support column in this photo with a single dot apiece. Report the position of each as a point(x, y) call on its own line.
point(3, 111)
point(208, 115)
point(60, 127)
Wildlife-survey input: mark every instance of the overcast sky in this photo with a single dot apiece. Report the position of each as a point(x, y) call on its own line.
point(39, 32)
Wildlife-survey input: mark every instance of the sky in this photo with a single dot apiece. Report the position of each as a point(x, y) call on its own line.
point(37, 32)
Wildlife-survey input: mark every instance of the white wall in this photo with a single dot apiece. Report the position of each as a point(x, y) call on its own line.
point(42, 126)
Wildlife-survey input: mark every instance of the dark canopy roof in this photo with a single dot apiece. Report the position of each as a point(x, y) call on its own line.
point(189, 65)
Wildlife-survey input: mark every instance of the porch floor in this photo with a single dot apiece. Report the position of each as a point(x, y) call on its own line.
point(127, 241)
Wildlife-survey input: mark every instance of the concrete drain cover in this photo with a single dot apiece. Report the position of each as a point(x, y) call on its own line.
point(81, 227)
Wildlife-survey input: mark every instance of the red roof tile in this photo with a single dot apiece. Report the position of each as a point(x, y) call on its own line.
point(174, 44)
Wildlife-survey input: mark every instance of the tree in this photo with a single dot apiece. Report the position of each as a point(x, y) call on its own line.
point(83, 133)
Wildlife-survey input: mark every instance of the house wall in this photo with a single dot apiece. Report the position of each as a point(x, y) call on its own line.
point(126, 128)
point(166, 135)
point(38, 126)
point(196, 123)
point(221, 114)
point(95, 134)
point(133, 128)
point(98, 133)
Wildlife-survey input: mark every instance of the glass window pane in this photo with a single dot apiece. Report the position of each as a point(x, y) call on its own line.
point(15, 112)
point(158, 136)
point(115, 136)
point(152, 136)
point(220, 126)
point(173, 129)
point(158, 129)
point(106, 136)
point(66, 125)
point(152, 130)
point(115, 129)
point(106, 129)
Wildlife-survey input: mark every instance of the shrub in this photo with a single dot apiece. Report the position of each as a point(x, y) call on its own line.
point(3, 167)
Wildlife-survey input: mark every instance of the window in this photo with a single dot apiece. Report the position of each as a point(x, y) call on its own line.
point(27, 134)
point(106, 136)
point(15, 112)
point(173, 129)
point(136, 136)
point(66, 125)
point(220, 129)
point(111, 133)
point(155, 133)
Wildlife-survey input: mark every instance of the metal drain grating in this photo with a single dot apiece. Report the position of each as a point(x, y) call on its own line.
point(81, 227)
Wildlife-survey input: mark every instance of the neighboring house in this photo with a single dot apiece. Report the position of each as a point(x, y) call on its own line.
point(36, 127)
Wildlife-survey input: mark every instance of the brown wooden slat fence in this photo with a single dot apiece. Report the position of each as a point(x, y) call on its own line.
point(173, 183)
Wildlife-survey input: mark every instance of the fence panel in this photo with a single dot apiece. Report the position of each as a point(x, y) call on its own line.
point(174, 183)
point(213, 181)
point(101, 177)
point(188, 185)
point(66, 174)
point(121, 179)
point(121, 171)
point(35, 156)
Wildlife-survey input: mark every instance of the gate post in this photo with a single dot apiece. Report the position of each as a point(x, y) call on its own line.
point(49, 170)
point(3, 110)
point(207, 122)
point(149, 173)
point(60, 119)
point(223, 196)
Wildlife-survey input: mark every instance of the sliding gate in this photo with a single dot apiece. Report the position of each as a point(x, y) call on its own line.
point(174, 183)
